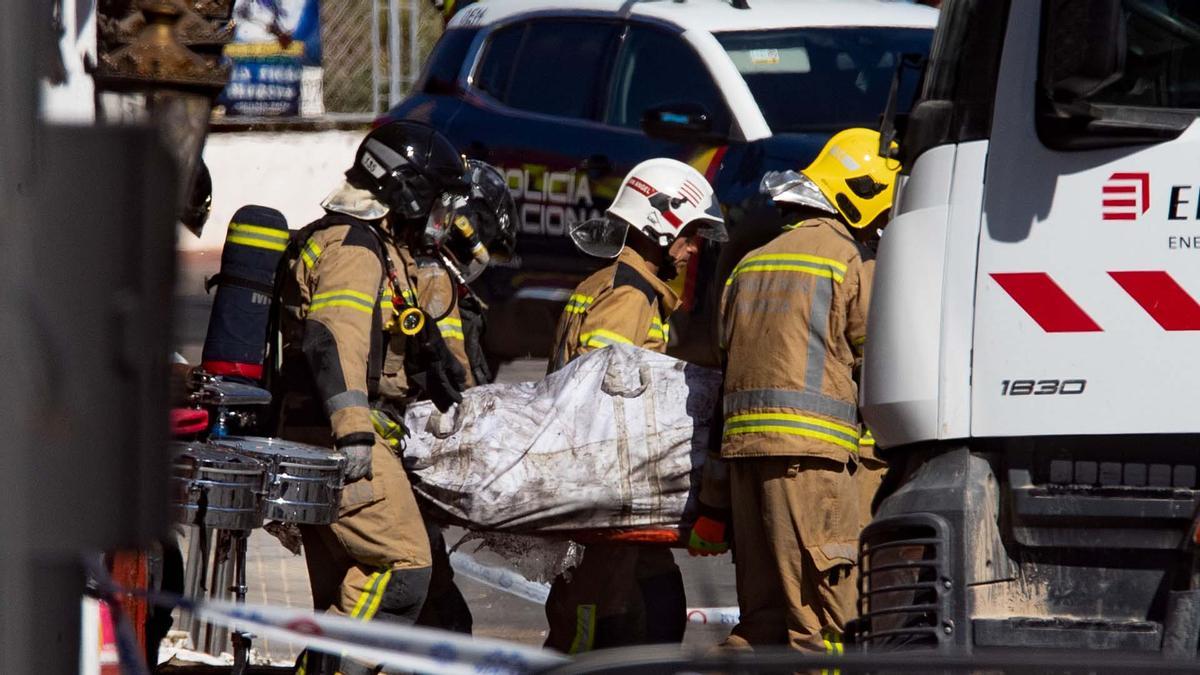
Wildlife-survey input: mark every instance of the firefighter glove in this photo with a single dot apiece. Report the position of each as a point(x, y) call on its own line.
point(358, 462)
point(708, 537)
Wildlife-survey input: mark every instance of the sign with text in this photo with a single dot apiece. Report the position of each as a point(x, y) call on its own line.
point(275, 51)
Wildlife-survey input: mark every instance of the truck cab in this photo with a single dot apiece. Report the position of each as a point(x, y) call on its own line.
point(1030, 369)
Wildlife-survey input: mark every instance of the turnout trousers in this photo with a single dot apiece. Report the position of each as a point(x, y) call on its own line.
point(795, 526)
point(619, 595)
point(379, 532)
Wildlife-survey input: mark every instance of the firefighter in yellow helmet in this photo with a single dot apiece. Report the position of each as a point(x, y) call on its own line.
point(624, 594)
point(793, 325)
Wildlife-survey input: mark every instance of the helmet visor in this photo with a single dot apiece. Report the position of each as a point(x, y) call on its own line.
point(600, 237)
point(791, 187)
point(711, 225)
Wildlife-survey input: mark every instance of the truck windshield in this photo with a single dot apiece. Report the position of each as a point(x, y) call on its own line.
point(824, 79)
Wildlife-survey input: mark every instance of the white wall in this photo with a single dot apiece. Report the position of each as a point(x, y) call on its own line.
point(291, 171)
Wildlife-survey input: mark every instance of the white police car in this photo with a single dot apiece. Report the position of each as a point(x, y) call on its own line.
point(565, 96)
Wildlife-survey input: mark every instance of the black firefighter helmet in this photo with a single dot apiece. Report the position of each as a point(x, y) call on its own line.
point(407, 166)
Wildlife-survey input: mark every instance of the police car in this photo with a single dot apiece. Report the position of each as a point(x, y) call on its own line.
point(567, 96)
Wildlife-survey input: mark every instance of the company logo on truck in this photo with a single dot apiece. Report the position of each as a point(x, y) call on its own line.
point(1126, 196)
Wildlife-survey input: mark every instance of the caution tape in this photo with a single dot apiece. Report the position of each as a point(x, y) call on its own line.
point(411, 648)
point(721, 616)
point(500, 578)
point(511, 582)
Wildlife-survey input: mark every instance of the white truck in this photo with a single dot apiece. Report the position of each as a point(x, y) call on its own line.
point(1032, 367)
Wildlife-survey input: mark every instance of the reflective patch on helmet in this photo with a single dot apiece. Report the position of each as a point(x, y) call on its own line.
point(641, 186)
point(371, 165)
point(846, 160)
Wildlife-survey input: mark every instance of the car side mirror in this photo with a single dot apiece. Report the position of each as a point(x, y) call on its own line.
point(678, 122)
point(1083, 48)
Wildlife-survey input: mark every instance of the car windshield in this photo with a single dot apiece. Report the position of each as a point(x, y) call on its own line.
point(824, 79)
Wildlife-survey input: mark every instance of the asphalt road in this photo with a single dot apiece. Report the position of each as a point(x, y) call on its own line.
point(709, 581)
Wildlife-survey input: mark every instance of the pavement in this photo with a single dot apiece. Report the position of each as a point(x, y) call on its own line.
point(277, 577)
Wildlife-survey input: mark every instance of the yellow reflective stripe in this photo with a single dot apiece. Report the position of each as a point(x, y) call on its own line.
point(793, 431)
point(833, 643)
point(827, 268)
point(578, 303)
point(365, 598)
point(346, 292)
point(374, 606)
point(451, 328)
point(795, 425)
point(350, 304)
point(659, 330)
point(602, 338)
point(269, 232)
point(310, 253)
point(257, 236)
point(257, 243)
point(795, 257)
point(343, 298)
point(585, 629)
point(867, 439)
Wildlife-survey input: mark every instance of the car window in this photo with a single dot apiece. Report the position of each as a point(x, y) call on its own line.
point(656, 68)
point(824, 79)
point(492, 77)
point(560, 67)
point(446, 60)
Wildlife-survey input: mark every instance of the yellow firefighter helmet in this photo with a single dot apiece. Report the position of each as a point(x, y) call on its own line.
point(852, 175)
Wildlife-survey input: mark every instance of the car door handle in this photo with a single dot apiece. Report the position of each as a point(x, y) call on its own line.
point(596, 166)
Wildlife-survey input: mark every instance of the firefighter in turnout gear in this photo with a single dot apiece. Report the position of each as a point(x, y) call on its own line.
point(793, 326)
point(360, 324)
point(624, 594)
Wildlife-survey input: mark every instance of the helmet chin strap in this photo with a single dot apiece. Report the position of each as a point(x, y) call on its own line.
point(667, 271)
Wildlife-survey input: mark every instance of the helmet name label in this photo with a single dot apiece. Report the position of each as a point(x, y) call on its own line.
point(372, 166)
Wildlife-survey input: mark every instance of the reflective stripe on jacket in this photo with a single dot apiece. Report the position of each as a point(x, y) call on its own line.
point(336, 304)
point(624, 302)
point(794, 318)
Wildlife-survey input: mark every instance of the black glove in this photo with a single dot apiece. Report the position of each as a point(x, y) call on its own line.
point(474, 321)
point(432, 369)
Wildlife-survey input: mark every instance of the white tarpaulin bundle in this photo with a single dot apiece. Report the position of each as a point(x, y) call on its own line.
point(616, 439)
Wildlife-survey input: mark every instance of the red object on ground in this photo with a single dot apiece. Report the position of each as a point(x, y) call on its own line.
point(187, 421)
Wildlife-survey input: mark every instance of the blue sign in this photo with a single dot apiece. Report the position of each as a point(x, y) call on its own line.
point(275, 41)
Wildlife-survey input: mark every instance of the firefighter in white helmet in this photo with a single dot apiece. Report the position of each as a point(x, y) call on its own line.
point(624, 594)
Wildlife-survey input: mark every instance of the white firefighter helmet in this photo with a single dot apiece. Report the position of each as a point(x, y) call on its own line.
point(660, 198)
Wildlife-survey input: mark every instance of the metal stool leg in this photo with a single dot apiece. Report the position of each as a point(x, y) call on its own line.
point(241, 639)
point(222, 581)
point(196, 578)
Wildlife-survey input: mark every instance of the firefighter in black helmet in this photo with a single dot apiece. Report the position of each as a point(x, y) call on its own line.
point(360, 340)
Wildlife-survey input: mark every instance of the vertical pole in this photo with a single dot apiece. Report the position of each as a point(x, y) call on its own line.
point(375, 77)
point(394, 70)
point(19, 644)
point(414, 46)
